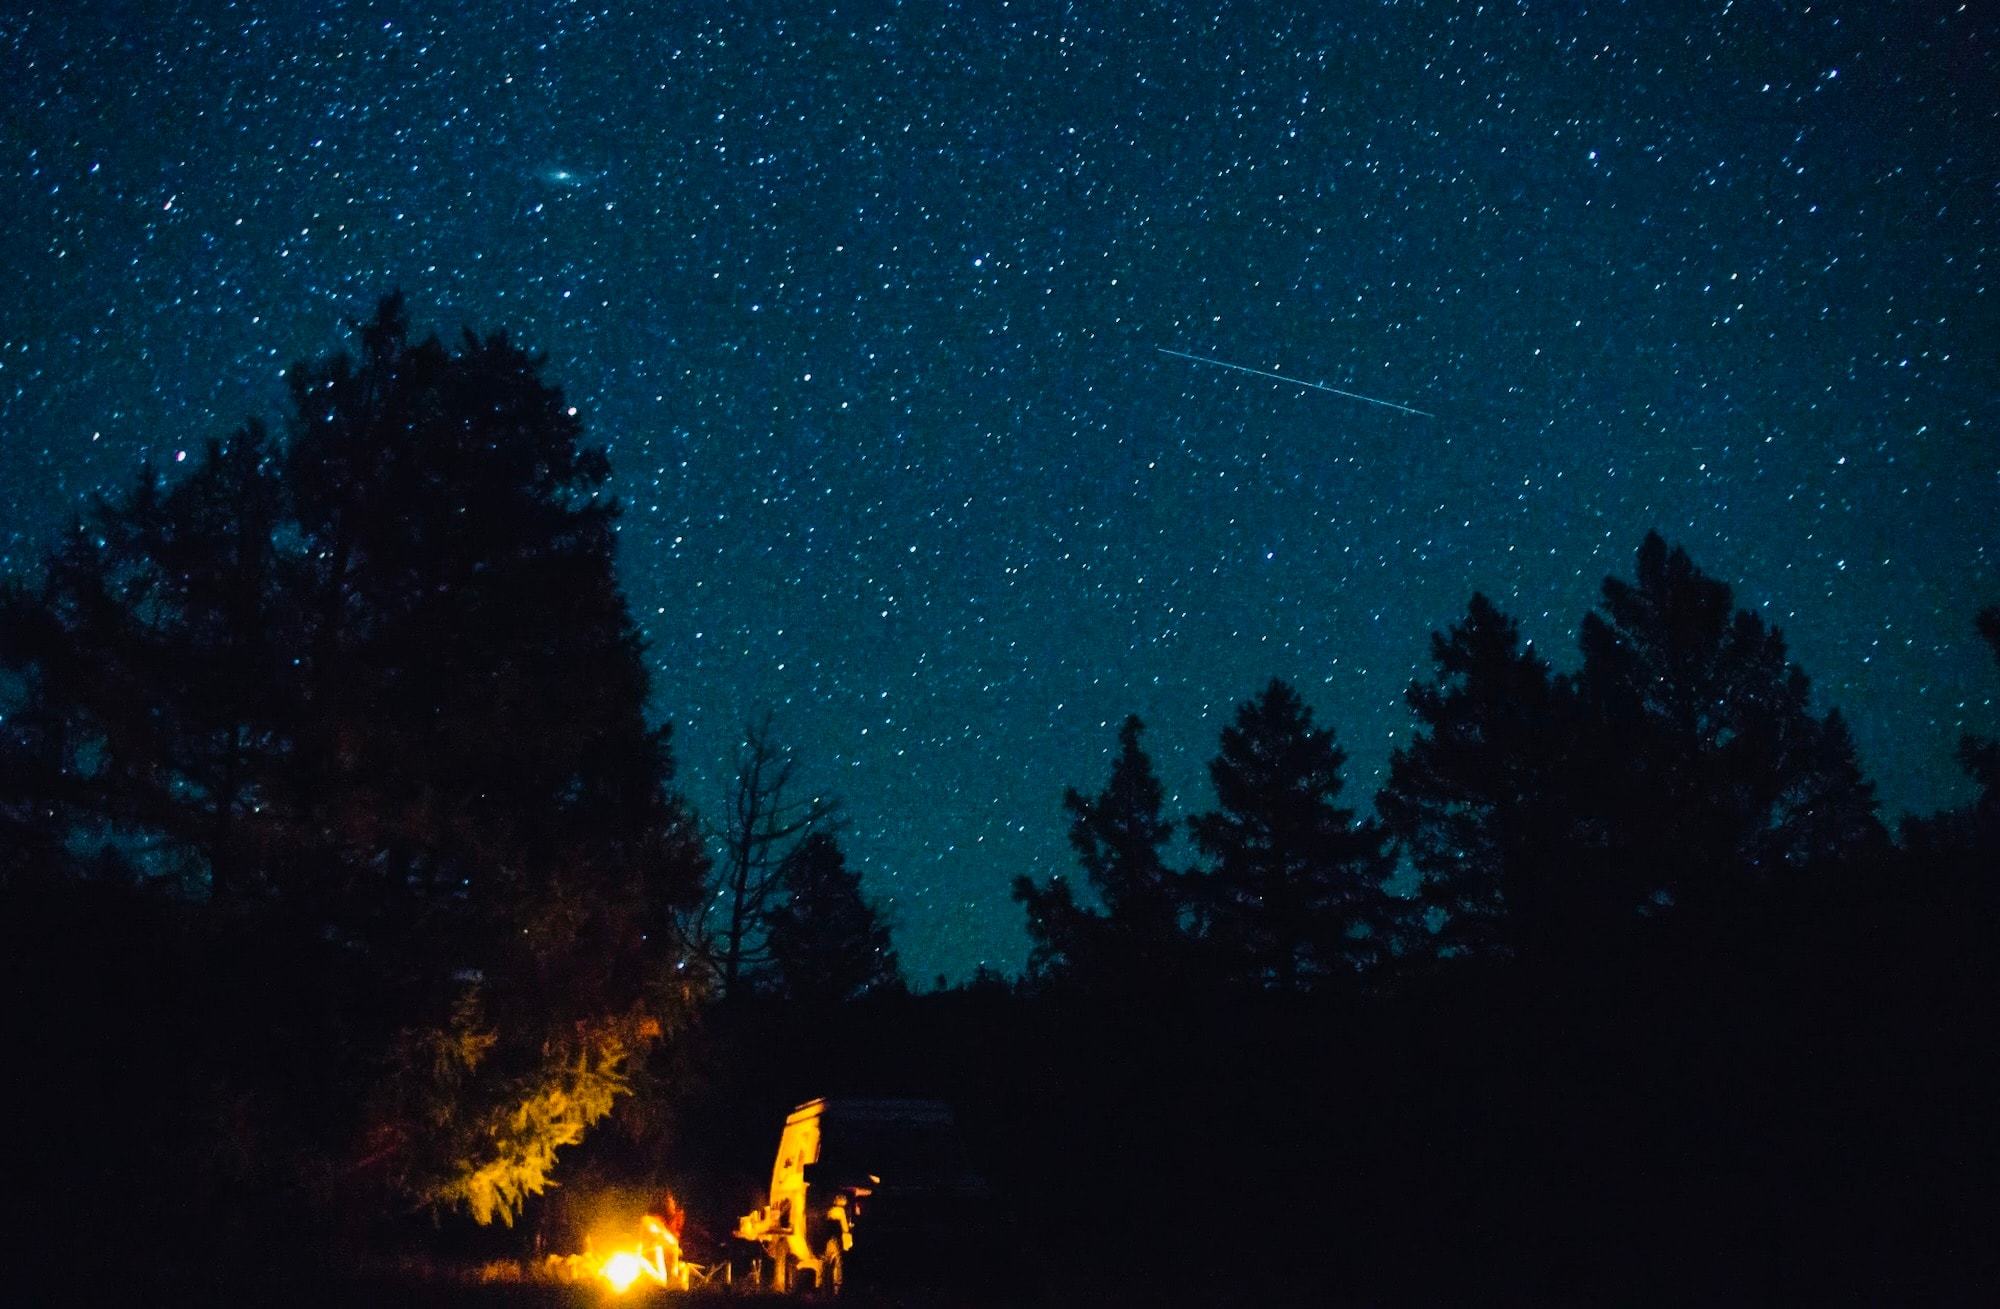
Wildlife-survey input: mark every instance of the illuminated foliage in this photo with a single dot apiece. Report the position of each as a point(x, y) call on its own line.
point(572, 1094)
point(462, 1132)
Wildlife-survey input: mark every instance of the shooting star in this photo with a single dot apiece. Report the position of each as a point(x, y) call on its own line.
point(1279, 377)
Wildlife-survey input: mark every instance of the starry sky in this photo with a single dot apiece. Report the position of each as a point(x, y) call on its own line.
point(869, 301)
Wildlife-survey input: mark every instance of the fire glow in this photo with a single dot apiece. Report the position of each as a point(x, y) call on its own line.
point(626, 1266)
point(655, 1257)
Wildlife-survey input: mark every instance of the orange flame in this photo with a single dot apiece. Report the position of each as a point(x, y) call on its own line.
point(625, 1267)
point(656, 1257)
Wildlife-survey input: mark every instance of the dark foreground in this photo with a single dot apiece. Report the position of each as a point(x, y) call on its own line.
point(1655, 1125)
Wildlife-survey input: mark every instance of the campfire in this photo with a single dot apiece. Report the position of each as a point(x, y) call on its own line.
point(653, 1258)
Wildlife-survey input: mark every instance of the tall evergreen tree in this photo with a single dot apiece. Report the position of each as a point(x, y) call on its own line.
point(1714, 779)
point(475, 679)
point(381, 681)
point(828, 943)
point(1294, 892)
point(1479, 800)
point(475, 736)
point(1141, 930)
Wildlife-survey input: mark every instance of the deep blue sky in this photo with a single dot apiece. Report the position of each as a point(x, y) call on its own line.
point(867, 301)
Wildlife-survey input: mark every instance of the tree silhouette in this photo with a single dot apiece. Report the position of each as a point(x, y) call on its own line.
point(1294, 893)
point(1981, 755)
point(381, 682)
point(1057, 926)
point(827, 942)
point(1712, 779)
point(36, 792)
point(1479, 798)
point(765, 820)
point(1141, 931)
point(1955, 853)
point(151, 650)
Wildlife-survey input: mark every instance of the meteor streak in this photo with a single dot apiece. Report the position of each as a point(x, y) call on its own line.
point(1279, 377)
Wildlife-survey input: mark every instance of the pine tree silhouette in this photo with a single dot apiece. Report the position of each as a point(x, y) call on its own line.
point(1480, 798)
point(380, 681)
point(1713, 778)
point(828, 943)
point(1294, 893)
point(1981, 755)
point(1954, 854)
point(152, 648)
point(1141, 931)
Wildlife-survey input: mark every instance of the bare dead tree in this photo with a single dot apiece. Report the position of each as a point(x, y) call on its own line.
point(764, 818)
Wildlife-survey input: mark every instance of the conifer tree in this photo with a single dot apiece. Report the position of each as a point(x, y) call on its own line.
point(1057, 926)
point(380, 681)
point(1980, 755)
point(1293, 895)
point(1478, 800)
point(1140, 932)
point(1955, 853)
point(150, 649)
point(1713, 779)
point(828, 942)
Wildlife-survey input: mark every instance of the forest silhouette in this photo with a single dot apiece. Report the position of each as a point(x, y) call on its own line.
point(350, 905)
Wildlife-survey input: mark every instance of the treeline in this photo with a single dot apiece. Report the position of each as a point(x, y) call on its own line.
point(1620, 992)
point(345, 888)
point(1679, 782)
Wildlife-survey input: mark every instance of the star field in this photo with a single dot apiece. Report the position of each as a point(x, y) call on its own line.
point(868, 301)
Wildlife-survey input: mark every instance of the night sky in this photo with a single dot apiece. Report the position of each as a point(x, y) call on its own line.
point(869, 303)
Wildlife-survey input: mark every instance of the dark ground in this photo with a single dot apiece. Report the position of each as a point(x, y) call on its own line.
point(1655, 1125)
point(1649, 1128)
